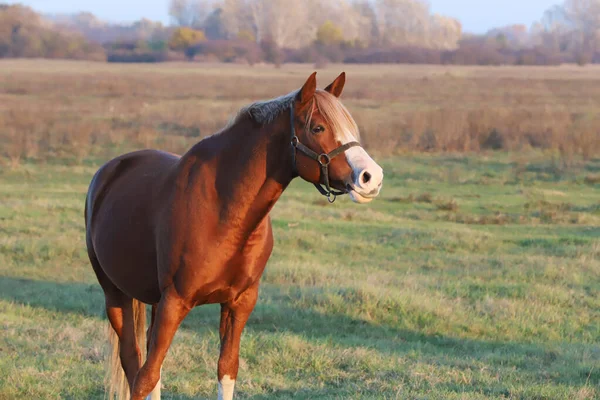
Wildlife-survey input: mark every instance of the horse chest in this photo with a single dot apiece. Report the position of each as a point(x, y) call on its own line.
point(221, 271)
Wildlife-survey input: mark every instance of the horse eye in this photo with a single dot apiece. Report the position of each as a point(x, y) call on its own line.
point(318, 129)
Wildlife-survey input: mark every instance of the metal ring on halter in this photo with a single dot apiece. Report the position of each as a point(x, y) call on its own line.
point(324, 159)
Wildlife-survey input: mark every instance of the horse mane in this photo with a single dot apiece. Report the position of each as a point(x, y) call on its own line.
point(266, 111)
point(334, 112)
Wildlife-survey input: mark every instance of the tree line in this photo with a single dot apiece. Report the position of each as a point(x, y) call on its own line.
point(317, 31)
point(24, 33)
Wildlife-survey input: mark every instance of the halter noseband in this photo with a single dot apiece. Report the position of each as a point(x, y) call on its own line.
point(324, 159)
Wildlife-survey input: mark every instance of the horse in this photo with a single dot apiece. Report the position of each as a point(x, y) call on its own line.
point(176, 232)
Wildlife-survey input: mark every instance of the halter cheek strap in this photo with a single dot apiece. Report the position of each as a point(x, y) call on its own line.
point(324, 159)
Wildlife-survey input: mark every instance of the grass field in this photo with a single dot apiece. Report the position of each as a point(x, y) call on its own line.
point(469, 279)
point(472, 276)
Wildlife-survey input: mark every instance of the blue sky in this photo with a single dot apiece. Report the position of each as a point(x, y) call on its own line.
point(480, 15)
point(476, 15)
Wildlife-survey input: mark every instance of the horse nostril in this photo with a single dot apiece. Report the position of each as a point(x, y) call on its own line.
point(366, 177)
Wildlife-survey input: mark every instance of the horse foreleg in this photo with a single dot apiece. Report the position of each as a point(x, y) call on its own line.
point(170, 312)
point(234, 316)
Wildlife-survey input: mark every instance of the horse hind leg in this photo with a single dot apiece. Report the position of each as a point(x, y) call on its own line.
point(127, 319)
point(125, 316)
point(155, 394)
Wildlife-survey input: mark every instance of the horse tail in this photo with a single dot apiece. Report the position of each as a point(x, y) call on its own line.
point(115, 380)
point(116, 383)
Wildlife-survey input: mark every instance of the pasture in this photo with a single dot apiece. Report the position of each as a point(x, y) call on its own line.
point(473, 275)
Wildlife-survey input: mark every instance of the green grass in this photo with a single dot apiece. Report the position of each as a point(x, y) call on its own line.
point(469, 278)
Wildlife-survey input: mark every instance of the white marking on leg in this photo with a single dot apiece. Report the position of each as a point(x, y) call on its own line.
point(226, 388)
point(155, 394)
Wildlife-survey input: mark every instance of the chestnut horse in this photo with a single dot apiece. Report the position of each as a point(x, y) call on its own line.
point(177, 232)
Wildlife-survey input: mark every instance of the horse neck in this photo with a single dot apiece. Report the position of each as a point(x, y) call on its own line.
point(253, 166)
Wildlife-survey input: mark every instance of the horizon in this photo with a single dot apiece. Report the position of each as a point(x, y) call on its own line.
point(475, 16)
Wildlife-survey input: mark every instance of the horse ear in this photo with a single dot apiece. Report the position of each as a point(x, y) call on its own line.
point(308, 90)
point(337, 86)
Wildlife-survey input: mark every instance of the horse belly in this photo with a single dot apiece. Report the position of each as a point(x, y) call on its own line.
point(123, 239)
point(129, 260)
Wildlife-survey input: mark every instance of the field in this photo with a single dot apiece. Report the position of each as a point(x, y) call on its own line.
point(474, 275)
point(71, 110)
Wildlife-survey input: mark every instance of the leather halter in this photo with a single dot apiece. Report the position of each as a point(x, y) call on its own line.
point(324, 159)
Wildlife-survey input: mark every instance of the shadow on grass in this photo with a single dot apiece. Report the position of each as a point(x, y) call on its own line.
point(563, 363)
point(308, 394)
point(75, 298)
point(98, 394)
point(92, 393)
point(350, 332)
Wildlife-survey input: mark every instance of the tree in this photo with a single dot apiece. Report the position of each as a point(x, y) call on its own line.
point(445, 32)
point(511, 36)
point(354, 27)
point(213, 25)
point(403, 22)
point(329, 34)
point(584, 17)
point(184, 39)
point(23, 33)
point(285, 22)
point(573, 27)
point(288, 24)
point(293, 24)
point(190, 13)
point(368, 34)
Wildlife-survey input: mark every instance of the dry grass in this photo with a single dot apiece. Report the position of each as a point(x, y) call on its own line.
point(69, 110)
point(592, 179)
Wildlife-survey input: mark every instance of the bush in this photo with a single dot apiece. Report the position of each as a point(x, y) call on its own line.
point(400, 55)
point(582, 58)
point(494, 141)
point(230, 50)
point(121, 56)
point(537, 56)
point(271, 52)
point(185, 40)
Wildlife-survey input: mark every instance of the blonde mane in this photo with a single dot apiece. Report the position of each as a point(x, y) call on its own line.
point(334, 112)
point(337, 116)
